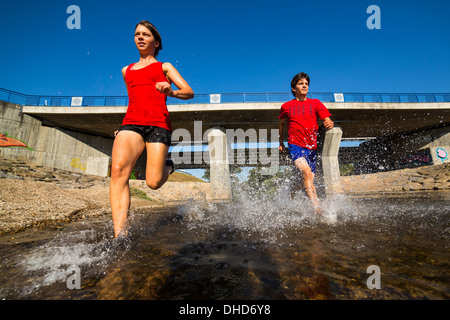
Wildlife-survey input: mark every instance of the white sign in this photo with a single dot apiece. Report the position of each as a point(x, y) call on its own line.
point(76, 101)
point(339, 97)
point(214, 98)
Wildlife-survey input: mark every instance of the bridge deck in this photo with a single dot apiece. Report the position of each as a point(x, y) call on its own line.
point(356, 119)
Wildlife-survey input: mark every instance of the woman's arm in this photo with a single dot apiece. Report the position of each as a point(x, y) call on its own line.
point(281, 134)
point(124, 70)
point(185, 92)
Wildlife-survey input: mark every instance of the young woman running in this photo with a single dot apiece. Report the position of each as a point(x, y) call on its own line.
point(146, 124)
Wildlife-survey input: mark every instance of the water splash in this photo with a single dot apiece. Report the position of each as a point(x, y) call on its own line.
point(268, 217)
point(256, 234)
point(52, 262)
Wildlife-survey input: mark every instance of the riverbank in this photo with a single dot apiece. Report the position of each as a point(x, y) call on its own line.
point(46, 197)
point(36, 196)
point(426, 178)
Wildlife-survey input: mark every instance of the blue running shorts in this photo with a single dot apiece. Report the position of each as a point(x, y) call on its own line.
point(309, 155)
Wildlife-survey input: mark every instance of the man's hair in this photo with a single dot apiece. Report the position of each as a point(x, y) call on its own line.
point(297, 78)
point(154, 32)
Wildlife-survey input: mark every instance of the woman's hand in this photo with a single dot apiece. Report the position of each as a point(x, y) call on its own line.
point(173, 76)
point(165, 88)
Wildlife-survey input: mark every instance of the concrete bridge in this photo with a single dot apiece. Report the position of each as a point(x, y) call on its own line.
point(357, 119)
point(255, 120)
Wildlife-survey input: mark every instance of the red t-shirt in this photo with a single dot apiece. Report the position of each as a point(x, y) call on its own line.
point(302, 119)
point(146, 105)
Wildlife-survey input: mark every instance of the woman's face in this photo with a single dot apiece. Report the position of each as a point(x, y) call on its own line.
point(144, 40)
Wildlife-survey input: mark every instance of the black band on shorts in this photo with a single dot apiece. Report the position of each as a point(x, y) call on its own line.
point(150, 133)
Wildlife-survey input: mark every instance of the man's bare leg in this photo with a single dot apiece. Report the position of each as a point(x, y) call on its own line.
point(308, 183)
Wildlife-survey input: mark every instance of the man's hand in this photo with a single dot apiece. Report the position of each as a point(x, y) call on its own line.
point(327, 123)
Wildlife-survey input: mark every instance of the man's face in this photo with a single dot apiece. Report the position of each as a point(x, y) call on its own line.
point(301, 88)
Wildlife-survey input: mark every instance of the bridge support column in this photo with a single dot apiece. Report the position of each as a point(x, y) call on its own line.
point(330, 162)
point(220, 181)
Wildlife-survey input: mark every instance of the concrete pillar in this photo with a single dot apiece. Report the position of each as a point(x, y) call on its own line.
point(330, 162)
point(220, 181)
point(440, 154)
point(440, 146)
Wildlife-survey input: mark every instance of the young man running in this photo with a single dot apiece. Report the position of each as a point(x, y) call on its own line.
point(302, 115)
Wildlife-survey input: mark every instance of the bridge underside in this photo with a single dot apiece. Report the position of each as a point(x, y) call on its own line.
point(356, 120)
point(354, 123)
point(353, 120)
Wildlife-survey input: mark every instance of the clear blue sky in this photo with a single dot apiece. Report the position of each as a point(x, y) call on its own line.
point(228, 46)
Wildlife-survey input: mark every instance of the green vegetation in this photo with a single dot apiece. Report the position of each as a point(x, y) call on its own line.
point(347, 169)
point(261, 185)
point(135, 192)
point(183, 177)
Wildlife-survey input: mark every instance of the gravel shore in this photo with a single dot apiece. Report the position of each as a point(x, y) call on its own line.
point(426, 178)
point(38, 196)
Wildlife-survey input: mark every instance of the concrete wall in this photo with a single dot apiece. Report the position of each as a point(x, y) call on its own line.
point(53, 147)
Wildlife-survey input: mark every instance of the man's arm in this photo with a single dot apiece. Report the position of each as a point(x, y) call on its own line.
point(327, 123)
point(323, 114)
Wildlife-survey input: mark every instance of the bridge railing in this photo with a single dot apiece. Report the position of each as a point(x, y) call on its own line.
point(111, 101)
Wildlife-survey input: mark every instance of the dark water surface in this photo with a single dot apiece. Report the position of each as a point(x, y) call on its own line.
point(250, 249)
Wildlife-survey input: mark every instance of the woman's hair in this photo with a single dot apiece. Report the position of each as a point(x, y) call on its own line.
point(154, 32)
point(297, 78)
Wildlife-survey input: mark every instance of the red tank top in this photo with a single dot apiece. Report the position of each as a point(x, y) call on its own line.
point(146, 105)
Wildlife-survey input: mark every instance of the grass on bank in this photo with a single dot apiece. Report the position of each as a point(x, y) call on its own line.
point(135, 192)
point(174, 177)
point(182, 177)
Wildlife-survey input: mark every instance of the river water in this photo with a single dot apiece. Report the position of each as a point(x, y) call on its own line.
point(249, 249)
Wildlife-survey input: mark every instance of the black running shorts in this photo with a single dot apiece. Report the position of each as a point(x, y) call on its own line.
point(150, 133)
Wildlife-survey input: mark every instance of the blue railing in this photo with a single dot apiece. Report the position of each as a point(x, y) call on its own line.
point(40, 100)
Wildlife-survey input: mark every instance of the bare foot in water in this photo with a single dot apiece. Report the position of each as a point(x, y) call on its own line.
point(318, 210)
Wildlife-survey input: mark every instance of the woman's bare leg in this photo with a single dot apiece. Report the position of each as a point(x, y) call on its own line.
point(128, 146)
point(157, 172)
